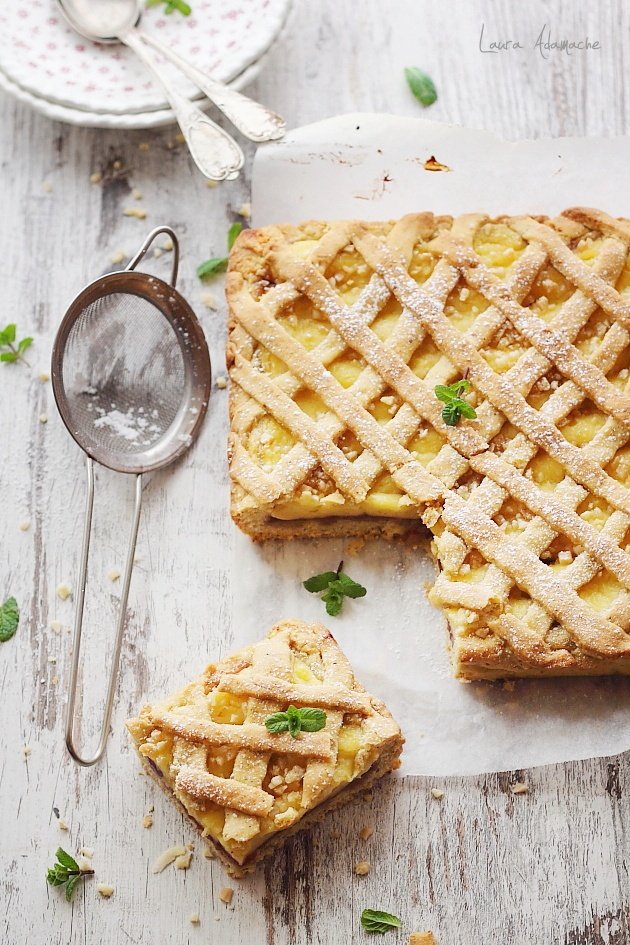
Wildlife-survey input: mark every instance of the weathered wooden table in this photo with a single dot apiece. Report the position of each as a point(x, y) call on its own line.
point(481, 865)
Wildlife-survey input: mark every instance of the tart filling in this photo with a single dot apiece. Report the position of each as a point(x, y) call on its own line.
point(340, 333)
point(243, 785)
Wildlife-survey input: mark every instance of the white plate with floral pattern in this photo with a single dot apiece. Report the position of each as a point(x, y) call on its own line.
point(43, 61)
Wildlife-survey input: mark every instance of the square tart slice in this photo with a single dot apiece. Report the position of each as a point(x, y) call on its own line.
point(245, 788)
point(340, 334)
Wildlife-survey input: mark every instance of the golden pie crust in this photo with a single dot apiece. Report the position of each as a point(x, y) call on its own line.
point(245, 788)
point(339, 333)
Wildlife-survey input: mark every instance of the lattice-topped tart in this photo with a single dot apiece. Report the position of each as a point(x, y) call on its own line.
point(340, 333)
point(245, 787)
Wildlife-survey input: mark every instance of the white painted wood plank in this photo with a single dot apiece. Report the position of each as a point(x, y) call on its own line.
point(480, 865)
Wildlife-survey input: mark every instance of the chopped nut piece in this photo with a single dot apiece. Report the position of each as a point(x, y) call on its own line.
point(437, 794)
point(84, 863)
point(106, 891)
point(166, 858)
point(422, 938)
point(157, 252)
point(47, 186)
point(54, 680)
point(366, 832)
point(245, 210)
point(118, 256)
point(144, 146)
point(519, 787)
point(212, 183)
point(226, 894)
point(63, 591)
point(26, 750)
point(96, 177)
point(117, 165)
point(167, 245)
point(87, 851)
point(43, 418)
point(138, 212)
point(24, 525)
point(44, 376)
point(221, 381)
point(113, 574)
point(362, 868)
point(183, 862)
point(62, 824)
point(136, 194)
point(147, 821)
point(55, 626)
point(194, 918)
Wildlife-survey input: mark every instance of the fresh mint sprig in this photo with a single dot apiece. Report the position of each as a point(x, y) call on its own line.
point(219, 263)
point(336, 585)
point(9, 619)
point(15, 349)
point(171, 5)
point(374, 921)
point(421, 85)
point(295, 720)
point(455, 406)
point(66, 872)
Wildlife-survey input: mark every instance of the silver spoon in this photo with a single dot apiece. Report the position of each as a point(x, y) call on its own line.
point(213, 150)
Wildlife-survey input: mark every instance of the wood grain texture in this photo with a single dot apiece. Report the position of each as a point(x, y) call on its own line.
point(479, 866)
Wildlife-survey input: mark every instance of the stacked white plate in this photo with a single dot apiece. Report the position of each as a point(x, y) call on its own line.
point(44, 63)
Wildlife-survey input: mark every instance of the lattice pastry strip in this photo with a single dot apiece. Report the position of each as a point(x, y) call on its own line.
point(277, 782)
point(479, 448)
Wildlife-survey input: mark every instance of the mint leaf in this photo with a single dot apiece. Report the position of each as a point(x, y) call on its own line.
point(312, 720)
point(66, 860)
point(9, 356)
point(9, 619)
point(336, 585)
point(374, 921)
point(455, 406)
point(71, 885)
point(66, 872)
point(8, 335)
point(295, 720)
point(421, 86)
point(211, 267)
point(278, 722)
point(15, 352)
point(319, 582)
point(233, 232)
point(171, 5)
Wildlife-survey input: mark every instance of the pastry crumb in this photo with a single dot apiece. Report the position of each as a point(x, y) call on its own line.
point(54, 680)
point(24, 525)
point(26, 750)
point(144, 146)
point(509, 685)
point(106, 891)
point(136, 194)
point(43, 418)
point(519, 787)
point(87, 851)
point(182, 862)
point(362, 868)
point(226, 895)
point(166, 858)
point(209, 853)
point(84, 863)
point(245, 211)
point(147, 821)
point(167, 245)
point(437, 794)
point(63, 591)
point(55, 626)
point(138, 212)
point(113, 574)
point(221, 381)
point(62, 824)
point(366, 832)
point(47, 186)
point(44, 377)
point(118, 256)
point(96, 177)
point(212, 184)
point(422, 938)
point(210, 301)
point(194, 918)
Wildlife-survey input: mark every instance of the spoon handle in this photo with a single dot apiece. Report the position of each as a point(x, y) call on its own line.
point(214, 151)
point(251, 118)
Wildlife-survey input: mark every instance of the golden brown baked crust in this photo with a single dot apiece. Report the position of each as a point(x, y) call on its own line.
point(247, 788)
point(528, 503)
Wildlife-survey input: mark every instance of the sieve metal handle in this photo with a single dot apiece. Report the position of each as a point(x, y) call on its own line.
point(78, 623)
point(150, 239)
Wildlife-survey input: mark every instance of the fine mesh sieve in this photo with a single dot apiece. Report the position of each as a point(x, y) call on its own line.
point(131, 377)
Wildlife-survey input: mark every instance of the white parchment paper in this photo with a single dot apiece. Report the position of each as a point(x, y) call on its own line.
point(370, 166)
